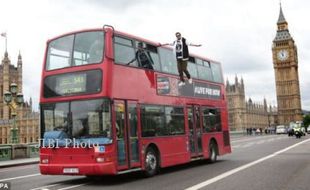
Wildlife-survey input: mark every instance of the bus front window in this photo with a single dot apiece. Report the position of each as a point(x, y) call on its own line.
point(56, 117)
point(74, 50)
point(59, 53)
point(91, 119)
point(78, 119)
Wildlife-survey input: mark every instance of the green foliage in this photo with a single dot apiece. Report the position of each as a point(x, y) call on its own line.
point(306, 121)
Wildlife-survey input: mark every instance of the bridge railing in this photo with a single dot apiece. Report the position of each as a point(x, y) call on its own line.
point(14, 151)
point(5, 152)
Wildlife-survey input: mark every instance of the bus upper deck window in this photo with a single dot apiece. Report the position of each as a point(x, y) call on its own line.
point(74, 50)
point(88, 48)
point(59, 53)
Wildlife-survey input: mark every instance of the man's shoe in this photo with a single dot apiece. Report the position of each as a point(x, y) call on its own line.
point(181, 83)
point(190, 81)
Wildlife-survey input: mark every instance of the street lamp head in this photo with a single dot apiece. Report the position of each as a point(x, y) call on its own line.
point(13, 88)
point(7, 97)
point(20, 98)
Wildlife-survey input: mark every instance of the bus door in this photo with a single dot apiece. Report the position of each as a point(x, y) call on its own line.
point(126, 123)
point(195, 131)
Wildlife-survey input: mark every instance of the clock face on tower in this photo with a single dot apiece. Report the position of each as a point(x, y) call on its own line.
point(282, 55)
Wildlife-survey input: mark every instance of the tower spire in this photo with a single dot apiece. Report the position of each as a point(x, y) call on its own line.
point(19, 60)
point(282, 32)
point(281, 18)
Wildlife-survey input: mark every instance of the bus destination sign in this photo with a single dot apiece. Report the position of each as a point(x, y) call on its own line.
point(71, 84)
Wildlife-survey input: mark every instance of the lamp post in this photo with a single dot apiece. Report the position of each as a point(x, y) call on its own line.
point(13, 100)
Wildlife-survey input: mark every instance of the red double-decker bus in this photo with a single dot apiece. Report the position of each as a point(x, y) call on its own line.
point(106, 110)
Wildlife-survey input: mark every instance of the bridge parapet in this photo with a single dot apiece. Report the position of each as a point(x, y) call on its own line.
point(16, 151)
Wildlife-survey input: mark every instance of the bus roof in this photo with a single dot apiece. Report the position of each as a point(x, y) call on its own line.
point(130, 36)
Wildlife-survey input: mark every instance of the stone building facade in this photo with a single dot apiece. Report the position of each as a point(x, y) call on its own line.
point(244, 113)
point(27, 121)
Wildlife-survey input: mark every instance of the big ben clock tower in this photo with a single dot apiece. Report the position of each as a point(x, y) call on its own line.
point(285, 63)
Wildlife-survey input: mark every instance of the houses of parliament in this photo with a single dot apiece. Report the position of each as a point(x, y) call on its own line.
point(248, 114)
point(27, 121)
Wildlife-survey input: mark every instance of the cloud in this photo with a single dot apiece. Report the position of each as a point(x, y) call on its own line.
point(237, 33)
point(108, 4)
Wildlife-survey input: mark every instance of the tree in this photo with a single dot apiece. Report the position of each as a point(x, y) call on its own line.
point(306, 121)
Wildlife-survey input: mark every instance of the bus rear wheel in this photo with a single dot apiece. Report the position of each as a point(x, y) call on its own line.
point(151, 163)
point(212, 152)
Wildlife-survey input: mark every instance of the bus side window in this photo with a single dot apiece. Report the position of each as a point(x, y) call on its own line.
point(216, 72)
point(124, 51)
point(152, 120)
point(211, 120)
point(168, 62)
point(174, 117)
point(204, 70)
point(154, 56)
point(146, 56)
point(142, 56)
point(192, 68)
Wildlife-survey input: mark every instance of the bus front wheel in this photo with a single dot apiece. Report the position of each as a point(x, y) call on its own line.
point(151, 163)
point(212, 152)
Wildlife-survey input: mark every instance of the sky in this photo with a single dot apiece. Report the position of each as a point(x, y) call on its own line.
point(237, 33)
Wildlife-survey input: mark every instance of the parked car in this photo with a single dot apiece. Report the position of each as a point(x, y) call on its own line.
point(281, 129)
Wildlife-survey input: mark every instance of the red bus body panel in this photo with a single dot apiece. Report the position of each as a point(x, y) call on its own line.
point(82, 158)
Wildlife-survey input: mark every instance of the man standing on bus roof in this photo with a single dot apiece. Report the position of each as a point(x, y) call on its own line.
point(182, 56)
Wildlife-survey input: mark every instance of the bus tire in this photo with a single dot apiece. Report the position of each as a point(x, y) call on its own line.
point(151, 162)
point(212, 152)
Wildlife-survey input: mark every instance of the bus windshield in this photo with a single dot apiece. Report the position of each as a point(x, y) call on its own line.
point(74, 50)
point(78, 120)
